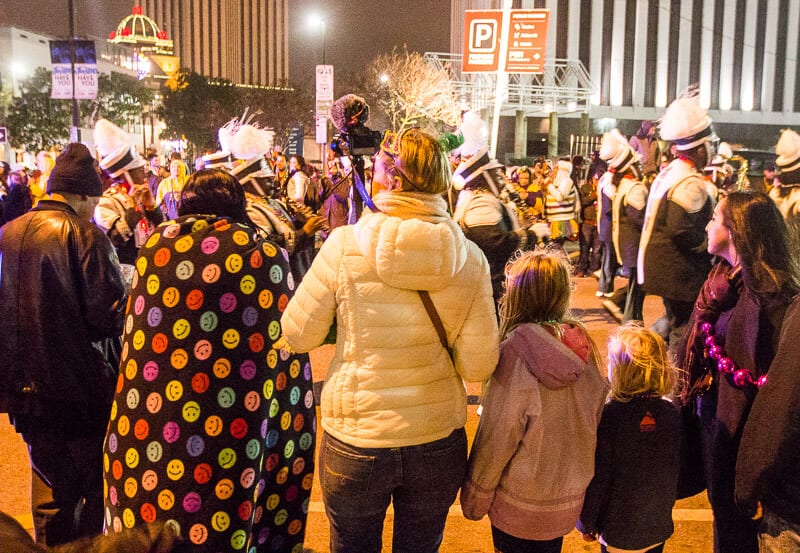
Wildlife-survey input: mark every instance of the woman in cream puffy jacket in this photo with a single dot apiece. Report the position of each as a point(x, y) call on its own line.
point(394, 403)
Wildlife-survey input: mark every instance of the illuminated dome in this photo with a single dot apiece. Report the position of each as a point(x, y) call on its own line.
point(142, 32)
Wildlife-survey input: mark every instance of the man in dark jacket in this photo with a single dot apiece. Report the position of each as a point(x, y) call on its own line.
point(62, 303)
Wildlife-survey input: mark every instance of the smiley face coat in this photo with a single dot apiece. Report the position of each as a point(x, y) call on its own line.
point(211, 430)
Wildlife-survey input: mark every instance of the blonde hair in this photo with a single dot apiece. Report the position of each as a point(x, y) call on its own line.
point(639, 363)
point(422, 163)
point(539, 290)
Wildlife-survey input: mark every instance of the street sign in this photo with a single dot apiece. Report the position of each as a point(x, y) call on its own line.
point(527, 38)
point(481, 40)
point(294, 145)
point(527, 41)
point(324, 101)
point(3, 135)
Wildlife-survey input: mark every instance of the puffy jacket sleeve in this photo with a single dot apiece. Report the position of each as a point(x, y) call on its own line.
point(312, 310)
point(477, 345)
point(511, 405)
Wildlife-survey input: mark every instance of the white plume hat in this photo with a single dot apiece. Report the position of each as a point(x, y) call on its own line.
point(469, 169)
point(249, 145)
point(788, 151)
point(686, 124)
point(117, 154)
point(615, 150)
point(475, 133)
point(724, 153)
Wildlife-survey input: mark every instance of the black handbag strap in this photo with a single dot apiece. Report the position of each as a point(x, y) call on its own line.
point(435, 319)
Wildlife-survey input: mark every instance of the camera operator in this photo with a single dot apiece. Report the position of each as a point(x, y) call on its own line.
point(352, 145)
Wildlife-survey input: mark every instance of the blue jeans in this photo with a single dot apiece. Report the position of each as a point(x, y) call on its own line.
point(778, 535)
point(421, 481)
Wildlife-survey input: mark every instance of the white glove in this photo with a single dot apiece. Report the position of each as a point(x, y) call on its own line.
point(541, 230)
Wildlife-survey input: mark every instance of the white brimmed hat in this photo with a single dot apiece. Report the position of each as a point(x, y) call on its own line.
point(117, 155)
point(686, 124)
point(788, 151)
point(616, 151)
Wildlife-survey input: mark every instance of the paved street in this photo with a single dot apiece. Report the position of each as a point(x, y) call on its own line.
point(692, 516)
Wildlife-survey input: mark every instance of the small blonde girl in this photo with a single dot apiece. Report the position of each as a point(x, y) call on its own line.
point(628, 505)
point(534, 449)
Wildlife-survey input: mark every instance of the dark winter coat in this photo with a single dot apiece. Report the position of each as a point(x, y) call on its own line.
point(61, 301)
point(629, 501)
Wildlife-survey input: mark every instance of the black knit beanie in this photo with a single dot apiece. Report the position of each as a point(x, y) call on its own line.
point(74, 172)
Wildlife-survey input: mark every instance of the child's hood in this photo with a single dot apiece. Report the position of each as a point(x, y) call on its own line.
point(556, 363)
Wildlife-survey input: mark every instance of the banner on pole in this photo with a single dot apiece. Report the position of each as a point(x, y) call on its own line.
point(324, 101)
point(86, 73)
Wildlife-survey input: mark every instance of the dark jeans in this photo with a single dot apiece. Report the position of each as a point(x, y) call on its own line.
point(656, 549)
point(678, 314)
point(506, 543)
point(634, 302)
point(73, 470)
point(608, 269)
point(420, 481)
point(589, 258)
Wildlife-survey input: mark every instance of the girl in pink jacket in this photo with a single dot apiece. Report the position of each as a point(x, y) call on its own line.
point(533, 455)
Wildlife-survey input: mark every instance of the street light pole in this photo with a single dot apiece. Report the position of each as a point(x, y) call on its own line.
point(75, 132)
point(323, 41)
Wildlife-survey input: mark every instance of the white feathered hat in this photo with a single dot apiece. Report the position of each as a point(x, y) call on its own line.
point(615, 150)
point(249, 145)
point(788, 151)
point(117, 154)
point(686, 124)
point(222, 157)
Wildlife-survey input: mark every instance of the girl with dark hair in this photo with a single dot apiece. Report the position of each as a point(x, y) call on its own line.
point(18, 200)
point(737, 336)
point(197, 438)
point(214, 191)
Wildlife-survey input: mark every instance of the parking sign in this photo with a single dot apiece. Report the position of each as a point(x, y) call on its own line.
point(481, 40)
point(3, 135)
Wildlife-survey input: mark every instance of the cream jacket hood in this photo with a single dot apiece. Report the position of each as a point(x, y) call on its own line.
point(391, 383)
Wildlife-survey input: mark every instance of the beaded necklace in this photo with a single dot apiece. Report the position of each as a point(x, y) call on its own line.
point(741, 377)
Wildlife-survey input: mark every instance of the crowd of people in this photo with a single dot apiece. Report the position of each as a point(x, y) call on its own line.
point(157, 325)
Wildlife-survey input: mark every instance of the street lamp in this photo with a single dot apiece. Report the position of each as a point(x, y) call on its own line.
point(318, 22)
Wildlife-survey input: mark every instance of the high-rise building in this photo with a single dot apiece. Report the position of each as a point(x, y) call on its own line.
point(243, 41)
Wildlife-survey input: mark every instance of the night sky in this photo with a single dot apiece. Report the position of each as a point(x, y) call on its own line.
point(356, 31)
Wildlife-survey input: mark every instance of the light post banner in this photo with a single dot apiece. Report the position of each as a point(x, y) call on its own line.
point(85, 69)
point(62, 70)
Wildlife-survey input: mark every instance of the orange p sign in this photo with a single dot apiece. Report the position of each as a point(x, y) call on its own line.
point(481, 40)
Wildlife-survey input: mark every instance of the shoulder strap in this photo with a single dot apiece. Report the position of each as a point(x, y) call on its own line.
point(435, 319)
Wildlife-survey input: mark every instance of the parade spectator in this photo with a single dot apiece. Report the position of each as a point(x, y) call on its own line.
point(335, 195)
point(530, 190)
point(673, 262)
point(5, 170)
point(645, 144)
point(196, 438)
point(394, 403)
point(628, 505)
point(38, 180)
point(486, 219)
point(768, 180)
point(589, 239)
point(297, 187)
point(534, 449)
point(153, 173)
point(169, 189)
point(786, 189)
point(62, 301)
point(19, 200)
point(738, 325)
point(126, 212)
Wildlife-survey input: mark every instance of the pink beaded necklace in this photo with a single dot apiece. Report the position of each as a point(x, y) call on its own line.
point(741, 377)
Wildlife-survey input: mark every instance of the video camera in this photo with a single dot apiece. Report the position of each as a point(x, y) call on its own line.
point(350, 114)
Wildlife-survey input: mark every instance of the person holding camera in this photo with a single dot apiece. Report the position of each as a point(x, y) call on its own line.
point(410, 301)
